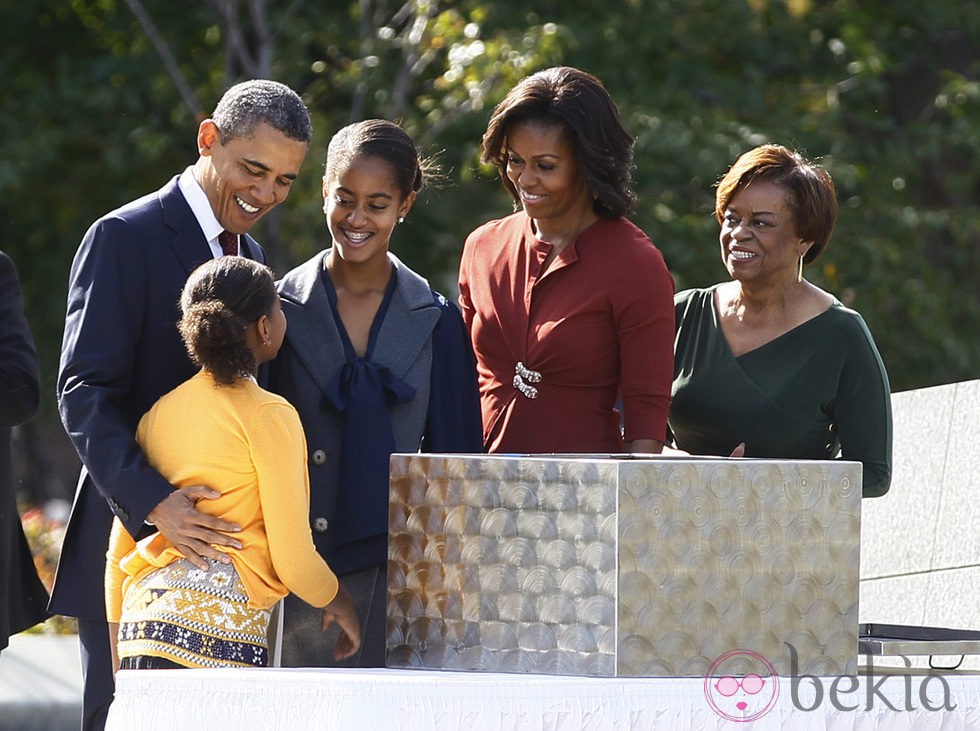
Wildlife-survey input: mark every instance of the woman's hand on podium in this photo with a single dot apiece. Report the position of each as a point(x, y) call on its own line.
point(670, 451)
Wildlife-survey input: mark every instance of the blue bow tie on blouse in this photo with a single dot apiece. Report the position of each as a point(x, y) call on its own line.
point(364, 393)
point(362, 384)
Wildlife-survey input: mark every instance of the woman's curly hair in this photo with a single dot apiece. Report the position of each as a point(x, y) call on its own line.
point(221, 298)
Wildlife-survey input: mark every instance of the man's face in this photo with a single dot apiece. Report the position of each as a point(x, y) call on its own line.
point(245, 178)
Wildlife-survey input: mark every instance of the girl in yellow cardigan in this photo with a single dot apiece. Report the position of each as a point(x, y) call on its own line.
point(222, 430)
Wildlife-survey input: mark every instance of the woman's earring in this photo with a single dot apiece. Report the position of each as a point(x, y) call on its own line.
point(799, 274)
point(401, 219)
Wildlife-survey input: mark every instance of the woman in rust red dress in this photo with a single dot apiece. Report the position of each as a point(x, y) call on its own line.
point(569, 305)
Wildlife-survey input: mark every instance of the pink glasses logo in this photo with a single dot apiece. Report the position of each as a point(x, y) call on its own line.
point(737, 695)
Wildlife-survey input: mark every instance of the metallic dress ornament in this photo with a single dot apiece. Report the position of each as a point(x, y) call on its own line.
point(523, 378)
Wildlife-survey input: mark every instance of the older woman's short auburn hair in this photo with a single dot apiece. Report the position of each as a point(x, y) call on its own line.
point(576, 101)
point(810, 192)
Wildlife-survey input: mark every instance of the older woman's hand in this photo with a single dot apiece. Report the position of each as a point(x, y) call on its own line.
point(669, 451)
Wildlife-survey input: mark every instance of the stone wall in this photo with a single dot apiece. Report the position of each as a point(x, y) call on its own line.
point(920, 543)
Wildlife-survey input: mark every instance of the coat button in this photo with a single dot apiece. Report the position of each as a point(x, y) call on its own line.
point(118, 510)
point(320, 525)
point(319, 457)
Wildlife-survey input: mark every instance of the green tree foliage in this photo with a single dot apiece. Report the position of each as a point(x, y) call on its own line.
point(885, 95)
point(101, 100)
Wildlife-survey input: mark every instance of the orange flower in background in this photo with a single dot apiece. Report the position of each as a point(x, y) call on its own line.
point(45, 536)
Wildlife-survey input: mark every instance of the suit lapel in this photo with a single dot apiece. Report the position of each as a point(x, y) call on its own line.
point(311, 331)
point(187, 241)
point(251, 249)
point(411, 317)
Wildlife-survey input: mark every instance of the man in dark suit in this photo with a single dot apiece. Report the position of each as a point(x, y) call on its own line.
point(22, 596)
point(121, 349)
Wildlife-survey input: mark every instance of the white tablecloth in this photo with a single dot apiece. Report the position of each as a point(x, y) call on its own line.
point(409, 700)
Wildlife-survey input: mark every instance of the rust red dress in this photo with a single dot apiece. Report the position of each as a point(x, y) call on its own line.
point(558, 353)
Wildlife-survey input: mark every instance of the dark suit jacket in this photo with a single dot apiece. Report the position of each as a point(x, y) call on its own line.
point(121, 352)
point(22, 596)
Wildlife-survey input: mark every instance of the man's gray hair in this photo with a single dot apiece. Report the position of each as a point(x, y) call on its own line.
point(258, 101)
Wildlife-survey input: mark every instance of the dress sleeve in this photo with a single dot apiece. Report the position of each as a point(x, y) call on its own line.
point(463, 281)
point(862, 413)
point(644, 313)
point(453, 423)
point(279, 454)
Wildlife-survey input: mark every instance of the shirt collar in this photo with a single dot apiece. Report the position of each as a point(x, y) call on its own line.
point(197, 199)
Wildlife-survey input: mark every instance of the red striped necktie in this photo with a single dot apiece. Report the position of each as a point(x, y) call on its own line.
point(229, 243)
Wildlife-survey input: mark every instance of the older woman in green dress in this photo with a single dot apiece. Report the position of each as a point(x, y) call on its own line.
point(768, 364)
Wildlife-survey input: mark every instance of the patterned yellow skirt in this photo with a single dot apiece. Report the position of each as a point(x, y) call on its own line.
point(194, 618)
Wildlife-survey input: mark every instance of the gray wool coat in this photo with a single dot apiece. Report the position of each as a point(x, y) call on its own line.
point(313, 353)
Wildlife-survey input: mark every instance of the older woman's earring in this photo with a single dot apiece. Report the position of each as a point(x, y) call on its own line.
point(401, 219)
point(799, 274)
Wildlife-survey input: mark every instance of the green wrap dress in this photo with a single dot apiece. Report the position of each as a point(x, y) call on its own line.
point(815, 392)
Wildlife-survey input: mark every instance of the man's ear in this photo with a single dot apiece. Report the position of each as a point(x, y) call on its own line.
point(208, 136)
